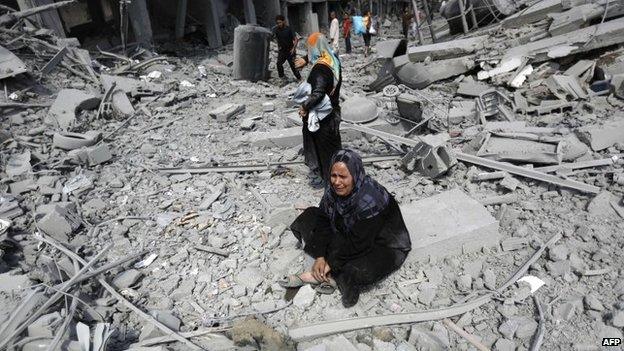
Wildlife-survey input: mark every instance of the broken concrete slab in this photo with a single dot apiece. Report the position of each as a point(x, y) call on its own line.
point(419, 75)
point(600, 206)
point(519, 150)
point(387, 49)
point(447, 49)
point(95, 155)
point(534, 13)
point(59, 222)
point(18, 164)
point(127, 279)
point(129, 85)
point(120, 102)
point(472, 88)
point(468, 226)
point(13, 283)
point(582, 40)
point(604, 136)
point(68, 103)
point(225, 112)
point(574, 18)
point(72, 141)
point(10, 65)
point(565, 87)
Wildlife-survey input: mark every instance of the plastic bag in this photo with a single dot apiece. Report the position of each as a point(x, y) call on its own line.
point(358, 25)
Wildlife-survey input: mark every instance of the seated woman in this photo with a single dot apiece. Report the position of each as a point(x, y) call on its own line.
point(357, 234)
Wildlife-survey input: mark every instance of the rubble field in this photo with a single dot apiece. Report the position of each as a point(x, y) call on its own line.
point(146, 198)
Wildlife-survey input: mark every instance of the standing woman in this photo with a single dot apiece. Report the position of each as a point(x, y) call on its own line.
point(325, 79)
point(368, 22)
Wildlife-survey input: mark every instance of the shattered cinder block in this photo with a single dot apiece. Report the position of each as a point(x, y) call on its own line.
point(58, 221)
point(68, 103)
point(468, 226)
point(431, 157)
point(225, 112)
point(98, 154)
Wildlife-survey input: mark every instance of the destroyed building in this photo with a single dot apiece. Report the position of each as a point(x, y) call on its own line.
point(146, 195)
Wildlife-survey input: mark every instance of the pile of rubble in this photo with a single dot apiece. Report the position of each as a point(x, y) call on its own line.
point(145, 199)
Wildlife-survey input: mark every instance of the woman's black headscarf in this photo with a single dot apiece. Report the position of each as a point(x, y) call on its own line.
point(367, 199)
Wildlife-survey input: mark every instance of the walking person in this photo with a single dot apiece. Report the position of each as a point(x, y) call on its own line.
point(334, 32)
point(346, 32)
point(368, 23)
point(286, 46)
point(325, 78)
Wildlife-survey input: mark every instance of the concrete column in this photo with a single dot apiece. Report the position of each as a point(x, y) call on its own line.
point(180, 19)
point(140, 21)
point(207, 12)
point(266, 10)
point(323, 14)
point(250, 12)
point(309, 18)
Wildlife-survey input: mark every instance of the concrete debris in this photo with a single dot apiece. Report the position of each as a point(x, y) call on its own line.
point(417, 75)
point(488, 141)
point(18, 164)
point(471, 228)
point(448, 49)
point(68, 103)
point(226, 112)
point(305, 297)
point(431, 156)
point(59, 222)
point(10, 65)
point(604, 136)
point(72, 141)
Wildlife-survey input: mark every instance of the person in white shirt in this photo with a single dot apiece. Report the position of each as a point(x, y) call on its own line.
point(334, 32)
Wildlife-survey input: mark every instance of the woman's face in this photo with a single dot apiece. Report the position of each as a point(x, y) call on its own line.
point(341, 179)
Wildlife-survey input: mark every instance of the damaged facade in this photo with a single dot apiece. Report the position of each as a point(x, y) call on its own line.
point(146, 194)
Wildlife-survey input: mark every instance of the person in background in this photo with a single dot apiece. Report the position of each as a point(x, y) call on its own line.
point(346, 31)
point(334, 32)
point(356, 235)
point(368, 22)
point(325, 78)
point(286, 46)
point(406, 20)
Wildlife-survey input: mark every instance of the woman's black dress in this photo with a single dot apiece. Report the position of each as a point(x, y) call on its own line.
point(319, 146)
point(374, 248)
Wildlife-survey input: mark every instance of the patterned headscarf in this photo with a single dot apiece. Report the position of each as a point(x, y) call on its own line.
point(320, 52)
point(367, 199)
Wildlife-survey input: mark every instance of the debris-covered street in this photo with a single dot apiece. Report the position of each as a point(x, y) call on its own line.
point(152, 163)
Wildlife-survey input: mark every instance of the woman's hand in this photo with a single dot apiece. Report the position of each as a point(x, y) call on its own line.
point(302, 112)
point(300, 63)
point(320, 268)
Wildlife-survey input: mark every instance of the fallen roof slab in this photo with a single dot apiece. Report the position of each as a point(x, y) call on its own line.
point(447, 49)
point(582, 40)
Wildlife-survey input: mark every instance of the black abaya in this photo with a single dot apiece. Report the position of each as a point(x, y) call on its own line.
point(362, 256)
point(319, 146)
